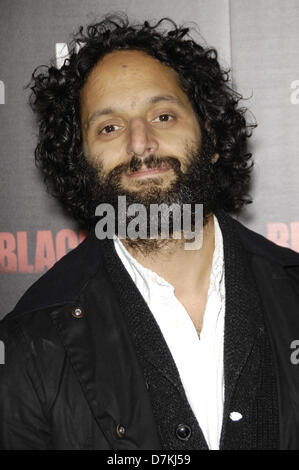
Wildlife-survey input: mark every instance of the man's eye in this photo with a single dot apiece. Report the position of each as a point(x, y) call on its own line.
point(163, 118)
point(108, 129)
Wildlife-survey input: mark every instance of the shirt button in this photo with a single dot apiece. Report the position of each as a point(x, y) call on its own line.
point(183, 432)
point(235, 416)
point(120, 430)
point(78, 312)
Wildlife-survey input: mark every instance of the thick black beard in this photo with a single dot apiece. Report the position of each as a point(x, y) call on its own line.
point(195, 186)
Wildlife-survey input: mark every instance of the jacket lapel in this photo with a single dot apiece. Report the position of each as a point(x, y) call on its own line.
point(143, 326)
point(243, 316)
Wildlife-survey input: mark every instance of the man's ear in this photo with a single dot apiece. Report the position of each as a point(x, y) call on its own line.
point(216, 155)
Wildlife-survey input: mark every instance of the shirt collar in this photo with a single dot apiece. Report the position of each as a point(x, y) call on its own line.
point(141, 274)
point(217, 270)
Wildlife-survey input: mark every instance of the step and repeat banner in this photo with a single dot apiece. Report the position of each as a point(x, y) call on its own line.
point(258, 40)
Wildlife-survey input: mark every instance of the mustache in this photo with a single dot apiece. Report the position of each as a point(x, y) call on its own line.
point(151, 161)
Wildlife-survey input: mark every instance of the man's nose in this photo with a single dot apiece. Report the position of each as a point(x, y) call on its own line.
point(141, 141)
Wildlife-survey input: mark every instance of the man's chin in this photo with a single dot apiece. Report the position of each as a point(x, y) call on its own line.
point(149, 193)
point(161, 180)
point(143, 184)
point(149, 246)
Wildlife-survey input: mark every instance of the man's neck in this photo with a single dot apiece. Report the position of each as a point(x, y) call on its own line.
point(187, 270)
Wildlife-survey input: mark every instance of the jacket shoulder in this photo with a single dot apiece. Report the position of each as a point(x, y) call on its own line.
point(63, 282)
point(259, 245)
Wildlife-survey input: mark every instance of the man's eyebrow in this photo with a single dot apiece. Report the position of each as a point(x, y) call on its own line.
point(149, 101)
point(157, 99)
point(94, 116)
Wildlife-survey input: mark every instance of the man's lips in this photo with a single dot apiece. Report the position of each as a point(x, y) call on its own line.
point(144, 171)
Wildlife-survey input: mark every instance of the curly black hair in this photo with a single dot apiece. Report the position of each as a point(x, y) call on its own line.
point(55, 99)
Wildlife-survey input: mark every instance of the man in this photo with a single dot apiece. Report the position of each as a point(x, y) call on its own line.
point(138, 343)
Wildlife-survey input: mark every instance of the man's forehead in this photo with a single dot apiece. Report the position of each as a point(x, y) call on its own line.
point(130, 76)
point(129, 67)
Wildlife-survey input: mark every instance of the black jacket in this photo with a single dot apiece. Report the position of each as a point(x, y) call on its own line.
point(81, 347)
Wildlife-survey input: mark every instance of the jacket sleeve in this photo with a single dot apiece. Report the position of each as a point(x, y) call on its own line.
point(23, 424)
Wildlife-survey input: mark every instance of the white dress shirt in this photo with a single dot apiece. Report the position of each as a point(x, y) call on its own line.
point(199, 360)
